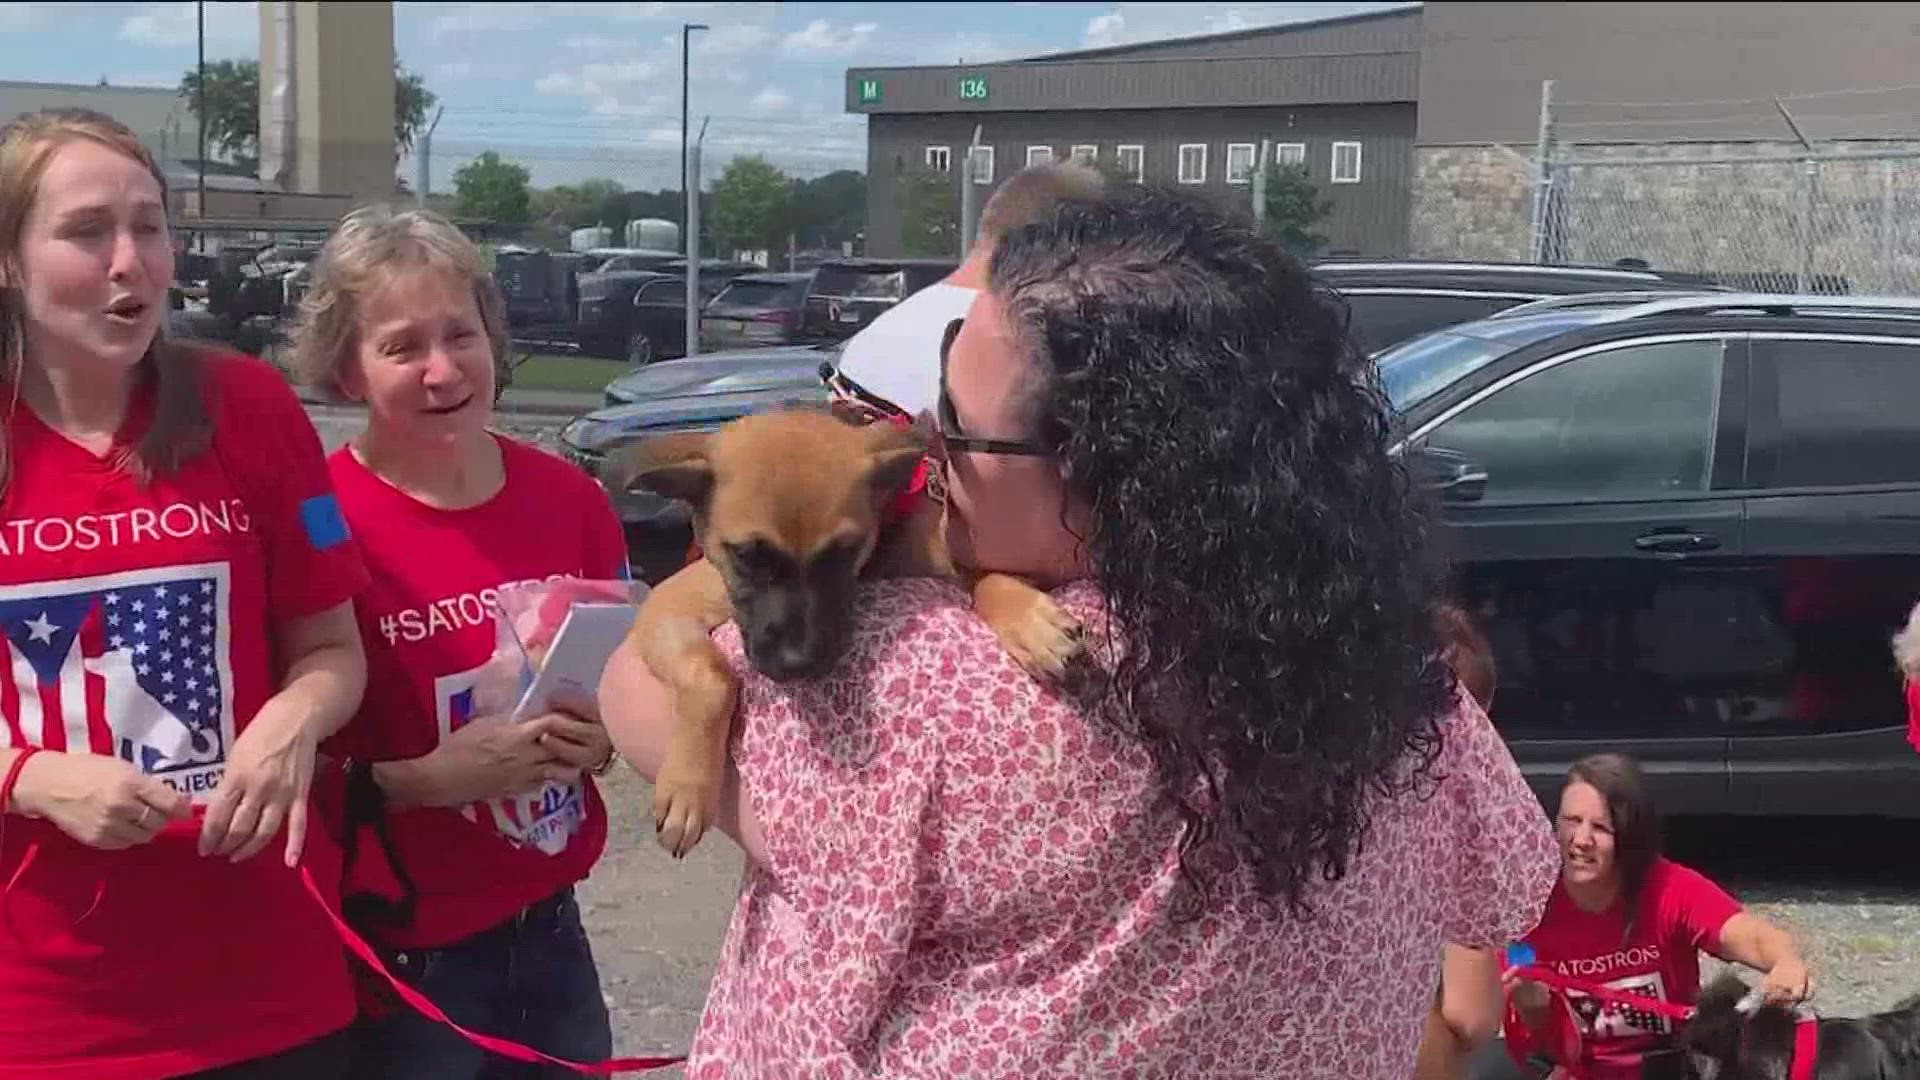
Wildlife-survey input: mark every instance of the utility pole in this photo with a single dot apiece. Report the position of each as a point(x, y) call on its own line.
point(422, 160)
point(200, 105)
point(690, 188)
point(969, 197)
point(1260, 185)
point(693, 242)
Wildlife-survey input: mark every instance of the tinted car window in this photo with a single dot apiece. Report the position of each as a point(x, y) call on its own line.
point(1846, 412)
point(1633, 422)
point(1378, 320)
point(663, 292)
point(762, 293)
point(856, 282)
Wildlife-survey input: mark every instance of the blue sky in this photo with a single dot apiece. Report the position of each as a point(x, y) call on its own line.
point(579, 90)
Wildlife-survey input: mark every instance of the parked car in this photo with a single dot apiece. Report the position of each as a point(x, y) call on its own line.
point(641, 316)
point(1689, 526)
point(847, 294)
point(697, 394)
point(755, 309)
point(1391, 301)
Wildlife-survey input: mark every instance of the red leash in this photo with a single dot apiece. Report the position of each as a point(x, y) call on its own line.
point(1549, 977)
point(425, 1007)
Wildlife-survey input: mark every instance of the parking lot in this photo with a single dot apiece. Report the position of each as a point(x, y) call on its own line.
point(1849, 887)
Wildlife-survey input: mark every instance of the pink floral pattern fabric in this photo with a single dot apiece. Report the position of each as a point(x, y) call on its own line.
point(971, 879)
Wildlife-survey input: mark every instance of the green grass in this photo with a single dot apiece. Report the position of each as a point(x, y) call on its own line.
point(576, 374)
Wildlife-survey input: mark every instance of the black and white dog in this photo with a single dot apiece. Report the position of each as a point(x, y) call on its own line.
point(1732, 1036)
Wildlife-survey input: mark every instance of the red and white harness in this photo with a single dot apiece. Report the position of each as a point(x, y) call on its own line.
point(1806, 1031)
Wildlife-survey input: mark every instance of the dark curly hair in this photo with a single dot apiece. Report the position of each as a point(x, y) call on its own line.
point(1267, 560)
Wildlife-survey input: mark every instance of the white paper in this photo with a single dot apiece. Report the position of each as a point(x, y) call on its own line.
point(578, 656)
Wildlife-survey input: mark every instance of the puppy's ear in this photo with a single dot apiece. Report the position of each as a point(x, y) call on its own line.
point(676, 466)
point(892, 456)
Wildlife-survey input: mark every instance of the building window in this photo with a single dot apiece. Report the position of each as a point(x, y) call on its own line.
point(1290, 153)
point(940, 158)
point(1039, 155)
point(1239, 162)
point(1193, 163)
point(983, 164)
point(1132, 161)
point(1346, 163)
point(1086, 154)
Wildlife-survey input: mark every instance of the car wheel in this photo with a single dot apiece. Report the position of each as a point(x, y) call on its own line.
point(640, 350)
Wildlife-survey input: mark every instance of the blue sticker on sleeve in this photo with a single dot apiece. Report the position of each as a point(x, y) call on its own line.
point(320, 516)
point(1520, 954)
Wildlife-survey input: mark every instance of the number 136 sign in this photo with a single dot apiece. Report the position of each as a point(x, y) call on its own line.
point(973, 88)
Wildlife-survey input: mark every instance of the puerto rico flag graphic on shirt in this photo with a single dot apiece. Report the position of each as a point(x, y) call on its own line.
point(548, 818)
point(133, 665)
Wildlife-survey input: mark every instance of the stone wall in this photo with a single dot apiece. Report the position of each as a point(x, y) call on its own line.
point(1470, 202)
point(1755, 214)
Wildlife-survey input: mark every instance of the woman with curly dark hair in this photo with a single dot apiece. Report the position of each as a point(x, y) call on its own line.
point(1240, 852)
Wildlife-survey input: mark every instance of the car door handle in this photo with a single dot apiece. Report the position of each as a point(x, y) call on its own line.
point(1676, 543)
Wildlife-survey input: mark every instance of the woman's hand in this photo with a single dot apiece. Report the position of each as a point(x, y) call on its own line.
point(100, 801)
point(494, 757)
point(583, 744)
point(1787, 983)
point(265, 786)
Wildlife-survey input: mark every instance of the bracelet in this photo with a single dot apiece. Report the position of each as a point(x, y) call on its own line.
point(606, 766)
point(13, 776)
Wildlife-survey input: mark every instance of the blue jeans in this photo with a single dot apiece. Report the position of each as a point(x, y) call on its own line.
point(530, 979)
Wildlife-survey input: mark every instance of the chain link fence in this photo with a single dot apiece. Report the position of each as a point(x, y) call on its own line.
point(1823, 222)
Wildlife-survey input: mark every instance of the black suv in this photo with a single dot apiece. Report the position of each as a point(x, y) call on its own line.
point(1390, 302)
point(1689, 526)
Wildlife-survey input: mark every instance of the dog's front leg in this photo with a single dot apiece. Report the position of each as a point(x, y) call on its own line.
point(672, 631)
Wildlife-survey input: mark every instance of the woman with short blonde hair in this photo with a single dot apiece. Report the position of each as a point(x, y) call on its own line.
point(490, 822)
point(174, 591)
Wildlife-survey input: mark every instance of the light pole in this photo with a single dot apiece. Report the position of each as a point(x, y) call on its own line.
point(690, 188)
point(686, 35)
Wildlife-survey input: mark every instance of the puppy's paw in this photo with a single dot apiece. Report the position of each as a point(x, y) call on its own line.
point(1043, 638)
point(686, 799)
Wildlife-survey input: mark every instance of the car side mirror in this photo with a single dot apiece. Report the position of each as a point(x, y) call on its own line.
point(1455, 476)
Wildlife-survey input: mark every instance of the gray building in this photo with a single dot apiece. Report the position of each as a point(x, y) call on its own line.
point(1420, 124)
point(1337, 95)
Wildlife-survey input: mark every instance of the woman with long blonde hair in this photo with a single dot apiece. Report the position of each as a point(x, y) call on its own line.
point(174, 607)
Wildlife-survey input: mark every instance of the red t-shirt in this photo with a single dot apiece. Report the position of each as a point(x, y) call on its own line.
point(1681, 913)
point(428, 624)
point(137, 622)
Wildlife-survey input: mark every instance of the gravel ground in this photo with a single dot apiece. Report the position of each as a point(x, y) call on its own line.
point(1849, 889)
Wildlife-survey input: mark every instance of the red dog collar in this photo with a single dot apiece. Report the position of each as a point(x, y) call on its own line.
point(1806, 1048)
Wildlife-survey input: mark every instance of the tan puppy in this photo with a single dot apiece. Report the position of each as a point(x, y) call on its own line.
point(788, 511)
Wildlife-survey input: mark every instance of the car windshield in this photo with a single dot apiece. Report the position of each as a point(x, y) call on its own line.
point(761, 293)
point(1420, 367)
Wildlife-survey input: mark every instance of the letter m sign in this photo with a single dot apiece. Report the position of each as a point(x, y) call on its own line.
point(869, 91)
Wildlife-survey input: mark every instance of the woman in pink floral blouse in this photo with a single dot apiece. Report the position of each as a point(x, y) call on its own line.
point(1241, 854)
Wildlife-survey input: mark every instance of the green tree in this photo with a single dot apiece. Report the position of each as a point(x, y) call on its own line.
point(411, 100)
point(929, 215)
point(495, 190)
point(595, 201)
point(233, 108)
point(1294, 207)
point(830, 209)
point(752, 207)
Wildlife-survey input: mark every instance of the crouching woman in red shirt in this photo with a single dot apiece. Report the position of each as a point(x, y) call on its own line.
point(490, 823)
point(174, 587)
point(1627, 918)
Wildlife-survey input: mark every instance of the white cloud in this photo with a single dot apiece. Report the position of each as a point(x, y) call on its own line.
point(822, 37)
point(771, 100)
point(595, 80)
point(1128, 23)
point(457, 69)
point(732, 39)
point(599, 43)
point(230, 25)
point(967, 47)
point(16, 16)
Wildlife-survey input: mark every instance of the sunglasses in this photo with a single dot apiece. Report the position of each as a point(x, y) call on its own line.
point(949, 434)
point(845, 391)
